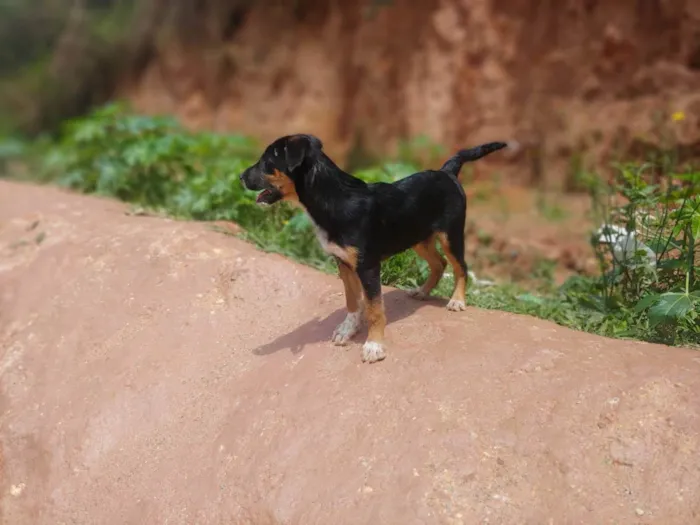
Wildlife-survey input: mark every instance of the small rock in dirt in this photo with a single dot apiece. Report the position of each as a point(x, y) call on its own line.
point(639, 512)
point(16, 490)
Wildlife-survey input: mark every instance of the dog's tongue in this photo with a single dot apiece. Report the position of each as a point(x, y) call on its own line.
point(262, 194)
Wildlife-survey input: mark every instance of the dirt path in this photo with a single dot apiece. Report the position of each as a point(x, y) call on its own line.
point(155, 372)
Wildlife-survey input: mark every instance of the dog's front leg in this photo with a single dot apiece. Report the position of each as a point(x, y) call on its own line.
point(353, 300)
point(373, 349)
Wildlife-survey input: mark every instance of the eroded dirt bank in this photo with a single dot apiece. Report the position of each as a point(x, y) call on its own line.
point(155, 371)
point(573, 81)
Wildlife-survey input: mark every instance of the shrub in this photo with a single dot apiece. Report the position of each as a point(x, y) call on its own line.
point(652, 222)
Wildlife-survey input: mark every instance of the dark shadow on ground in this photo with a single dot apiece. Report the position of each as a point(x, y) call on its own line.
point(398, 306)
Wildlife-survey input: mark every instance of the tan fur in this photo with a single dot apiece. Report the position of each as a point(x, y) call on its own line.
point(458, 295)
point(376, 319)
point(284, 185)
point(350, 256)
point(428, 251)
point(353, 288)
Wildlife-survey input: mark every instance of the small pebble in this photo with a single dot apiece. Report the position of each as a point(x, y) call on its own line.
point(639, 512)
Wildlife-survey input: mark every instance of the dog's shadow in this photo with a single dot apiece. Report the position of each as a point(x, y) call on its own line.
point(397, 303)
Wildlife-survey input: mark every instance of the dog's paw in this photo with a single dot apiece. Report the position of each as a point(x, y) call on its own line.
point(417, 293)
point(373, 352)
point(348, 328)
point(456, 306)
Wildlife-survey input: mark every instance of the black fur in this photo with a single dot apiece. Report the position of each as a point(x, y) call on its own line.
point(375, 220)
point(454, 164)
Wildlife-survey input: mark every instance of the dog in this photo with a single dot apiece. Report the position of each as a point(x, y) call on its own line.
point(363, 224)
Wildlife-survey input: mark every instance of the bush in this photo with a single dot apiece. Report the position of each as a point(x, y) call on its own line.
point(155, 163)
point(652, 224)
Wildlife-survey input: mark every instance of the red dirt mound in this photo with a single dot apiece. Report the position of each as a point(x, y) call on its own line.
point(154, 371)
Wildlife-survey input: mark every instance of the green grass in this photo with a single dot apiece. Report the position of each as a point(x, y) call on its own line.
point(155, 164)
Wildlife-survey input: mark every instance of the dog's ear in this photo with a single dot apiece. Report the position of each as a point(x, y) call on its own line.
point(299, 147)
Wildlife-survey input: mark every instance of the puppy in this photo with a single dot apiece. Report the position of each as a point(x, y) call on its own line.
point(362, 224)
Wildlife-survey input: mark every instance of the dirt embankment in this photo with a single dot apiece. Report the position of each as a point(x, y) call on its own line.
point(154, 371)
point(570, 80)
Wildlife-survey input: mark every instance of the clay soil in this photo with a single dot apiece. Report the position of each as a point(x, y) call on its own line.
point(154, 371)
point(521, 235)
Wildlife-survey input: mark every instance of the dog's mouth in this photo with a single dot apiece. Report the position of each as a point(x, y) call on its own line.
point(268, 196)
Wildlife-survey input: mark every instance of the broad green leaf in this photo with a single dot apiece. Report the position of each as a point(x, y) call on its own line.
point(691, 176)
point(645, 302)
point(670, 306)
point(672, 264)
point(695, 226)
point(89, 131)
point(661, 245)
point(136, 154)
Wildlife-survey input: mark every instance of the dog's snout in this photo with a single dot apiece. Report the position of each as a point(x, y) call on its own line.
point(251, 178)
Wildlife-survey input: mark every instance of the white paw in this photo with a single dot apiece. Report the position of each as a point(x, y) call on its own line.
point(373, 352)
point(418, 293)
point(456, 306)
point(345, 330)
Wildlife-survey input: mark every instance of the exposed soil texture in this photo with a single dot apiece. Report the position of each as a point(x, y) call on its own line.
point(575, 81)
point(512, 237)
point(155, 371)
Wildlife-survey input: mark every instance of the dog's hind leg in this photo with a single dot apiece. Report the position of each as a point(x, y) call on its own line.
point(373, 349)
point(428, 251)
point(453, 245)
point(353, 301)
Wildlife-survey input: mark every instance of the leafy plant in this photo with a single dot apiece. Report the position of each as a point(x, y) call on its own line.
point(660, 212)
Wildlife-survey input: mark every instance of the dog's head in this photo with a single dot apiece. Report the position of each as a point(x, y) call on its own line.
point(281, 168)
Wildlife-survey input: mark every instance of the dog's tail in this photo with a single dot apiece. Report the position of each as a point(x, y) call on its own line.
point(454, 163)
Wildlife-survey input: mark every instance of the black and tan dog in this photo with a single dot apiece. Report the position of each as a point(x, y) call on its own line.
point(362, 224)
